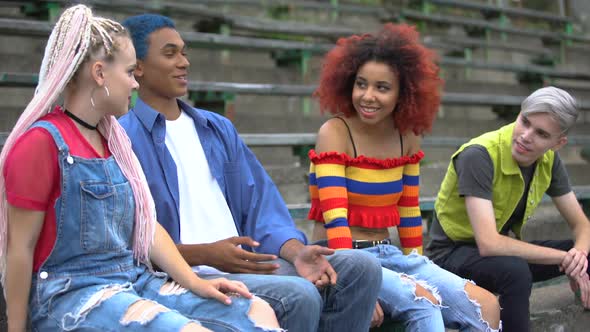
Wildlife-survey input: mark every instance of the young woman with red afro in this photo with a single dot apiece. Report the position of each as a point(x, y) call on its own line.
point(384, 92)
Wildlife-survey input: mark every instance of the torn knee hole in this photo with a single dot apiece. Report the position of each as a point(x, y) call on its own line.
point(258, 307)
point(142, 311)
point(262, 314)
point(486, 304)
point(193, 327)
point(99, 297)
point(172, 288)
point(422, 292)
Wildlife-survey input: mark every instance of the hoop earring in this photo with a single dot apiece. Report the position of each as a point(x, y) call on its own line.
point(92, 102)
point(107, 90)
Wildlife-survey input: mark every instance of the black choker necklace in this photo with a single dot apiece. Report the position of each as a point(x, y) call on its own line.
point(80, 121)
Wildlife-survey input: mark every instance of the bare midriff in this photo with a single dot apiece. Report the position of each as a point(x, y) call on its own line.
point(358, 233)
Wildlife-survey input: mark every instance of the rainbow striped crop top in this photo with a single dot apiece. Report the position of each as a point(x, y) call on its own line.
point(366, 192)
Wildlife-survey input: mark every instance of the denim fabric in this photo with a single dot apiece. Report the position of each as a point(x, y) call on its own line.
point(295, 301)
point(93, 255)
point(348, 305)
point(399, 302)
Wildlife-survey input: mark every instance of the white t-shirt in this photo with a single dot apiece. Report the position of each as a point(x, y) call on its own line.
point(204, 214)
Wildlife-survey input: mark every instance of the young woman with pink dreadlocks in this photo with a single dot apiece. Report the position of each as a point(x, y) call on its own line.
point(77, 213)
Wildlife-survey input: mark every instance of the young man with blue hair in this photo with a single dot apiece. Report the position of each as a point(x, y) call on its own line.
point(222, 209)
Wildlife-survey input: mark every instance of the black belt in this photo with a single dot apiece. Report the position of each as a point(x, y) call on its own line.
point(362, 244)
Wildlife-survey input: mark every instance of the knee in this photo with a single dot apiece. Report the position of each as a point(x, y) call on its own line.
point(490, 310)
point(142, 311)
point(194, 327)
point(422, 292)
point(291, 296)
point(262, 314)
point(358, 266)
point(305, 295)
point(488, 302)
point(514, 274)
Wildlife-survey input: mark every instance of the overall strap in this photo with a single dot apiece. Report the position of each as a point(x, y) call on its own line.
point(57, 137)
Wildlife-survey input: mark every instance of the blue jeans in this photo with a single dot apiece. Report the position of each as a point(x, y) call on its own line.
point(398, 300)
point(348, 305)
point(72, 303)
point(299, 306)
point(295, 301)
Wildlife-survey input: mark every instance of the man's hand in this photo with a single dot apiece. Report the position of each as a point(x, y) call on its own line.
point(575, 263)
point(582, 285)
point(378, 316)
point(226, 256)
point(311, 264)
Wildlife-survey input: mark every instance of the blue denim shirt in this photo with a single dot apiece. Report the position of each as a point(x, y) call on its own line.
point(257, 207)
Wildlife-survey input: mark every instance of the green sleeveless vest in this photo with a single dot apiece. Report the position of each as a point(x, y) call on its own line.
point(508, 187)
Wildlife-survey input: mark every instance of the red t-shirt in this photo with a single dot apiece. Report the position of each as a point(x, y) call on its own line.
point(33, 177)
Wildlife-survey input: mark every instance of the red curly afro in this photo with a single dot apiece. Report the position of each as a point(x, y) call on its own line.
point(398, 46)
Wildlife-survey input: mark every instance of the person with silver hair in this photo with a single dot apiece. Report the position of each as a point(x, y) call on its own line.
point(556, 102)
point(492, 187)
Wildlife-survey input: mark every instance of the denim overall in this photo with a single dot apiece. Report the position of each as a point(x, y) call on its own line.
point(93, 255)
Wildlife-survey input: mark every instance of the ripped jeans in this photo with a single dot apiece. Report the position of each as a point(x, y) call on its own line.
point(103, 302)
point(399, 301)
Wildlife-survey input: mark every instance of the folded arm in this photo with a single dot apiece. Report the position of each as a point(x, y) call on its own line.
point(491, 243)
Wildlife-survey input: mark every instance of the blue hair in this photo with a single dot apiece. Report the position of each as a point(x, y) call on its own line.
point(141, 26)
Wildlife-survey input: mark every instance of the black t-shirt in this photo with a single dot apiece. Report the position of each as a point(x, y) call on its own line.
point(475, 173)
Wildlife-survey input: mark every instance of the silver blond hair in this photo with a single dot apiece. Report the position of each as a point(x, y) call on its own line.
point(555, 102)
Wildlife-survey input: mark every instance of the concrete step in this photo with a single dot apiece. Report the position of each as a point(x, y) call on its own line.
point(291, 181)
point(546, 224)
point(203, 59)
point(554, 309)
point(16, 97)
point(243, 74)
point(581, 91)
point(33, 47)
point(275, 114)
point(277, 160)
point(575, 57)
point(19, 63)
point(11, 11)
point(20, 54)
point(8, 117)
